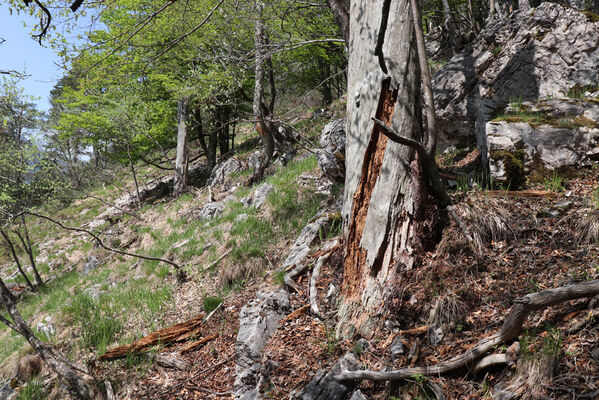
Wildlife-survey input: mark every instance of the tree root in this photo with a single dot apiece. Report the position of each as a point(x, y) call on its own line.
point(510, 330)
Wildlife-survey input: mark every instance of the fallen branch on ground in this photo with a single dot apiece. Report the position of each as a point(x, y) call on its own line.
point(196, 344)
point(510, 330)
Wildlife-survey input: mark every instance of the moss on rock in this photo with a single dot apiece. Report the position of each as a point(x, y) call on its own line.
point(513, 163)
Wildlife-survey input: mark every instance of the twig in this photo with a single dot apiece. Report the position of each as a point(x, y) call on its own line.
point(313, 289)
point(178, 269)
point(195, 376)
point(213, 263)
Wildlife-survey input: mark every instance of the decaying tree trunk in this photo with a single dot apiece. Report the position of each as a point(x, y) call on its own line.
point(182, 151)
point(76, 385)
point(384, 190)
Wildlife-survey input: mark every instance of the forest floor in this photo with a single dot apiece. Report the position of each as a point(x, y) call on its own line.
point(468, 295)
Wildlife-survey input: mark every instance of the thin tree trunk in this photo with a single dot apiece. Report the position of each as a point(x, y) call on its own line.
point(182, 151)
point(29, 250)
point(11, 247)
point(340, 11)
point(57, 363)
point(383, 185)
point(263, 128)
point(132, 167)
point(448, 25)
point(430, 141)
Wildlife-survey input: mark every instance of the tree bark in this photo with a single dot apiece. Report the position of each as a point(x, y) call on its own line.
point(16, 259)
point(340, 11)
point(182, 151)
point(258, 107)
point(383, 185)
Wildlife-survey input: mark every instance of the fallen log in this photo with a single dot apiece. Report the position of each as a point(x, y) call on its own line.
point(171, 361)
point(162, 336)
point(510, 330)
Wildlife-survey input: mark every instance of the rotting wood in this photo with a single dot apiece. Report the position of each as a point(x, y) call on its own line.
point(196, 344)
point(490, 361)
point(161, 336)
point(356, 257)
point(296, 313)
point(510, 330)
point(415, 331)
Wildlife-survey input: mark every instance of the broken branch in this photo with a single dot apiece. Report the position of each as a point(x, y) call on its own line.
point(510, 330)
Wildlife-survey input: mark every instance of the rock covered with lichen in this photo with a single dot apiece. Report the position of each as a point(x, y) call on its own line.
point(550, 50)
point(531, 139)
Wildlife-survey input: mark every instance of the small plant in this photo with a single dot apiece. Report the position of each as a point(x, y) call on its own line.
point(496, 50)
point(555, 183)
point(210, 303)
point(331, 344)
point(279, 277)
point(33, 390)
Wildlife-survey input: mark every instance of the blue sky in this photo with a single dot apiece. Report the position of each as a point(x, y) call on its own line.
point(22, 52)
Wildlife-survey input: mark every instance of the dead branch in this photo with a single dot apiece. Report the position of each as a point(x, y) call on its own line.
point(510, 330)
point(178, 269)
point(296, 313)
point(313, 289)
point(197, 375)
point(109, 391)
point(197, 344)
point(161, 336)
point(171, 361)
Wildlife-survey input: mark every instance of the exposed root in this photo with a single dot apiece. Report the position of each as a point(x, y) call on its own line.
point(587, 229)
point(510, 330)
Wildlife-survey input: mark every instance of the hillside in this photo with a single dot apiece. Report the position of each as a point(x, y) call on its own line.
point(406, 206)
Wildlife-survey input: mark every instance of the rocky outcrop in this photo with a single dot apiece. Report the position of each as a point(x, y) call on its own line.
point(331, 157)
point(550, 50)
point(532, 138)
point(221, 172)
point(152, 190)
point(257, 322)
point(258, 198)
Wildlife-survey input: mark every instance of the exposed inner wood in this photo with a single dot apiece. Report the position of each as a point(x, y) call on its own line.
point(356, 257)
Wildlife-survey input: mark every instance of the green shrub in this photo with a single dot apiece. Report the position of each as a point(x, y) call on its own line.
point(210, 303)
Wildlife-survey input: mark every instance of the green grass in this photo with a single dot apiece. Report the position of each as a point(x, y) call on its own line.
point(33, 390)
point(555, 183)
point(209, 304)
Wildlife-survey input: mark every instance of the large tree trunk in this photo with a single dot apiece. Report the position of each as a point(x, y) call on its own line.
point(384, 191)
point(182, 151)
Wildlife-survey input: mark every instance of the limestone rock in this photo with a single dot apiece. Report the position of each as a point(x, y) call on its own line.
point(221, 172)
point(7, 392)
point(257, 322)
point(91, 264)
point(301, 247)
point(211, 210)
point(325, 387)
point(357, 395)
point(331, 157)
point(533, 54)
point(560, 134)
point(259, 196)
